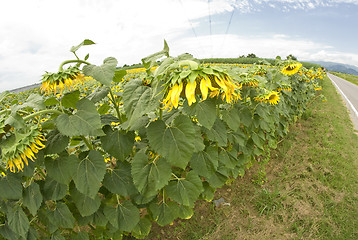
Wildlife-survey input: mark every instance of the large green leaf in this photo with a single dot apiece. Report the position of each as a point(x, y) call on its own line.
point(174, 142)
point(86, 121)
point(62, 216)
point(11, 188)
point(246, 116)
point(56, 142)
point(7, 233)
point(205, 163)
point(164, 213)
point(32, 198)
point(119, 180)
point(89, 174)
point(118, 143)
point(218, 133)
point(138, 100)
point(62, 168)
point(185, 191)
point(124, 217)
point(69, 100)
point(150, 176)
point(118, 75)
point(53, 190)
point(142, 228)
point(232, 118)
point(205, 112)
point(18, 221)
point(98, 94)
point(85, 205)
point(104, 73)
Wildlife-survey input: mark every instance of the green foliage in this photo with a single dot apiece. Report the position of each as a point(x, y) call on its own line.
point(114, 160)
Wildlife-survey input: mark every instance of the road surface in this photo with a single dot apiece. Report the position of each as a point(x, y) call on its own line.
point(349, 92)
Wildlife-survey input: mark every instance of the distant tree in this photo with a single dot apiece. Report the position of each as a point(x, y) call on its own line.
point(251, 55)
point(242, 56)
point(278, 58)
point(291, 57)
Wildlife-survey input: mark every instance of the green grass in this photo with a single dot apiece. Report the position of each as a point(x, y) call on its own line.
point(310, 189)
point(350, 78)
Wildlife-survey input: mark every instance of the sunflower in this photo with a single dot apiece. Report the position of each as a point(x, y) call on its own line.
point(202, 84)
point(53, 82)
point(271, 97)
point(26, 147)
point(291, 68)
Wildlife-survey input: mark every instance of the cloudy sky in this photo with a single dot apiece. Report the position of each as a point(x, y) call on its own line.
point(36, 35)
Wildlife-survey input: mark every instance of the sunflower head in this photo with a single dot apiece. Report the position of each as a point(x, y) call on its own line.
point(291, 68)
point(267, 96)
point(200, 84)
point(20, 147)
point(57, 82)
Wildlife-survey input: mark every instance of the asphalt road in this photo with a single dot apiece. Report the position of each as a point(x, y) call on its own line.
point(349, 92)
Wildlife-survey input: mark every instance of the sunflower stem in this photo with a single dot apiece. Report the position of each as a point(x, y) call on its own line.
point(42, 112)
point(88, 144)
point(115, 104)
point(72, 61)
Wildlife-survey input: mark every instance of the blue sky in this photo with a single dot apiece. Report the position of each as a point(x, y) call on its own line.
point(36, 35)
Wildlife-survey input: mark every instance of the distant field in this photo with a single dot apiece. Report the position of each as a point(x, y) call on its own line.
point(350, 78)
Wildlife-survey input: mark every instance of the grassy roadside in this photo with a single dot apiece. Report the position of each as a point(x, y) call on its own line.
point(350, 78)
point(310, 188)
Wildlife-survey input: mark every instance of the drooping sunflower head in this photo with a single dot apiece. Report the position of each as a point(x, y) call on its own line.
point(22, 147)
point(57, 82)
point(291, 68)
point(200, 84)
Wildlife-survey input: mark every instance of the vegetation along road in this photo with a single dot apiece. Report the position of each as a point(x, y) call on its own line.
point(349, 92)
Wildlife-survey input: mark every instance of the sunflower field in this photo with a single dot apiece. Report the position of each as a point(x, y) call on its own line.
point(99, 152)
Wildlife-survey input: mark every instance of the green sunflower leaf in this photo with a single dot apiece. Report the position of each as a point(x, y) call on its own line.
point(32, 198)
point(104, 73)
point(18, 221)
point(53, 190)
point(85, 122)
point(118, 143)
point(164, 213)
point(137, 101)
point(149, 177)
point(89, 174)
point(11, 188)
point(205, 162)
point(174, 142)
point(62, 216)
point(69, 100)
point(205, 112)
point(62, 168)
point(85, 205)
point(217, 133)
point(142, 229)
point(232, 118)
point(56, 142)
point(124, 217)
point(119, 181)
point(185, 191)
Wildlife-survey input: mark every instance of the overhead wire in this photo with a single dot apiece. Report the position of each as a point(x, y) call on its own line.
point(211, 38)
point(191, 25)
point(227, 28)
